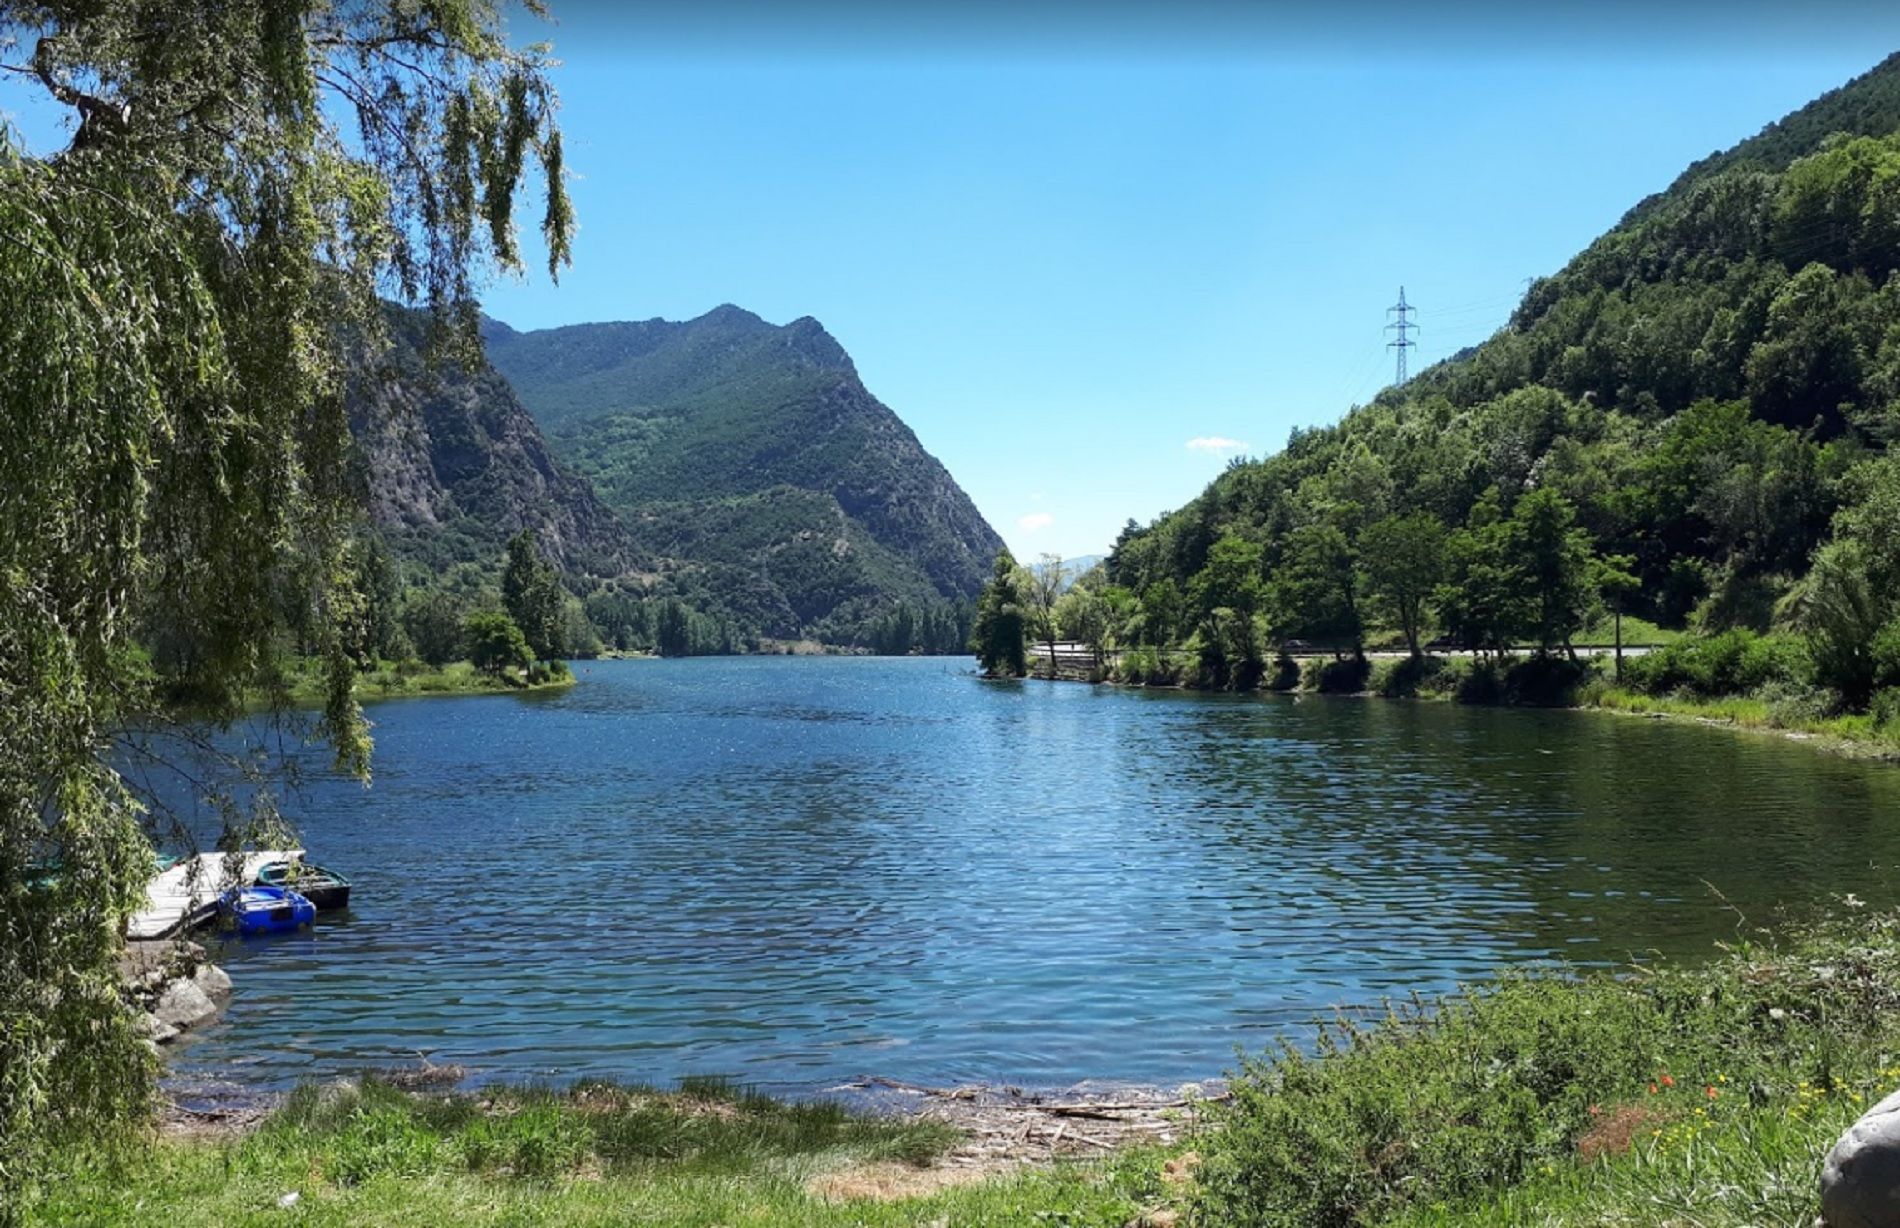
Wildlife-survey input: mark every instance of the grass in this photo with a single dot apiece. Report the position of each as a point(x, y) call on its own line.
point(1860, 732)
point(1694, 1096)
point(398, 680)
point(598, 1154)
point(1636, 632)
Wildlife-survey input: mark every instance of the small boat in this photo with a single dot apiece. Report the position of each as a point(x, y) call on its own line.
point(266, 910)
point(185, 894)
point(327, 889)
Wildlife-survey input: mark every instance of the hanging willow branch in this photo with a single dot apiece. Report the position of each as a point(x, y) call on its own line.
point(181, 288)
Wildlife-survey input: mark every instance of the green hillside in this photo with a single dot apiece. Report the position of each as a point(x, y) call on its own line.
point(1704, 397)
point(754, 459)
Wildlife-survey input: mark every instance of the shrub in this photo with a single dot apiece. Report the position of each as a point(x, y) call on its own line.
point(1885, 708)
point(1732, 663)
point(1794, 704)
point(1141, 666)
point(1544, 681)
point(1285, 675)
point(1480, 682)
point(1408, 676)
point(1347, 677)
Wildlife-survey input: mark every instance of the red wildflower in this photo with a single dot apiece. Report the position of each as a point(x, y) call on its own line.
point(1712, 1092)
point(1652, 1089)
point(1596, 1110)
point(1668, 1082)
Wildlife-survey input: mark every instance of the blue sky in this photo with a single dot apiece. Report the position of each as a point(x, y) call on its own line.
point(1063, 244)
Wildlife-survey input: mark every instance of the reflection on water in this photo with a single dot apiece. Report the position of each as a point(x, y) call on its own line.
point(794, 871)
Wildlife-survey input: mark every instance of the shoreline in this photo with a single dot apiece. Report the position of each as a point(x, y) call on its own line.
point(448, 683)
point(1612, 700)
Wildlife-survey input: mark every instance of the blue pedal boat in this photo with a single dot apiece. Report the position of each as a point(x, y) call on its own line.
point(266, 910)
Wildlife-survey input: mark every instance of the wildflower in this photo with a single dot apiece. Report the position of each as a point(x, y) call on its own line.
point(1652, 1089)
point(1596, 1110)
point(1668, 1082)
point(1712, 1093)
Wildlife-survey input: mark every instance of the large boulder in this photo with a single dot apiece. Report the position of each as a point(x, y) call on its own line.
point(183, 1004)
point(213, 980)
point(1860, 1180)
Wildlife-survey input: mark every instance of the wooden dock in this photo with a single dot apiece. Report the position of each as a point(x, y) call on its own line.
point(186, 894)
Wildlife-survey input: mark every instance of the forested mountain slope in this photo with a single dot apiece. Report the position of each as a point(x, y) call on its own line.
point(754, 459)
point(1708, 389)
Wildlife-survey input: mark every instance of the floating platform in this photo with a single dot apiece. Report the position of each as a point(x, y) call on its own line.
point(185, 894)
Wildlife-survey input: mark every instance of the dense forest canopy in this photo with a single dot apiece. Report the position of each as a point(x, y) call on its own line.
point(1701, 403)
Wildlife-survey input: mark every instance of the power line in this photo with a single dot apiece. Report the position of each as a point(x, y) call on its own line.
point(1404, 325)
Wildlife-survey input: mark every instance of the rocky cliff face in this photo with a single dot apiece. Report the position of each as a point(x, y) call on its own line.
point(452, 466)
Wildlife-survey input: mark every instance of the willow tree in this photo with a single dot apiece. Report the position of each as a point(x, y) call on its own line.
point(182, 289)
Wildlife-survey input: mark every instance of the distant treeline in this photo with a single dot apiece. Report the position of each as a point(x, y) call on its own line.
point(424, 615)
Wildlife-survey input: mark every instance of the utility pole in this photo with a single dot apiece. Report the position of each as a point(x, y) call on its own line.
point(1404, 326)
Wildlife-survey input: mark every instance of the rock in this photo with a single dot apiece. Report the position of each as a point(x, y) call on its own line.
point(156, 1030)
point(213, 980)
point(1860, 1180)
point(183, 1004)
point(290, 1200)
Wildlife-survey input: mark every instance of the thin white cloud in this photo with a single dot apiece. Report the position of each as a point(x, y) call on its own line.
point(1034, 521)
point(1216, 443)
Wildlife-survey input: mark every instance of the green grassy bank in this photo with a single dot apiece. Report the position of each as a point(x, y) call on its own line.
point(594, 1155)
point(1672, 1095)
point(1861, 733)
point(303, 686)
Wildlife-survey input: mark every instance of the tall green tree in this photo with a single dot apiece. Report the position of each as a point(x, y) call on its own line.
point(181, 289)
point(1557, 565)
point(1316, 589)
point(1484, 602)
point(1083, 616)
point(1226, 595)
point(1616, 580)
point(1403, 558)
point(433, 623)
point(531, 592)
point(1041, 590)
point(495, 643)
point(999, 629)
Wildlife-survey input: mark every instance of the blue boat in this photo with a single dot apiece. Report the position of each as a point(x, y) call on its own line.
point(266, 910)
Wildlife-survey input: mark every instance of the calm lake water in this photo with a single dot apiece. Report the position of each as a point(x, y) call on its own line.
point(798, 871)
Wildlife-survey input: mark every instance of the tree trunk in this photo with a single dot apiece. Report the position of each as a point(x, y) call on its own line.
point(1619, 645)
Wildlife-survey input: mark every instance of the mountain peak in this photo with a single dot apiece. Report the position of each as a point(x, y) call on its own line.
point(730, 315)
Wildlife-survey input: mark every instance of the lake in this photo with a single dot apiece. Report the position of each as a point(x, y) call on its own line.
point(797, 871)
